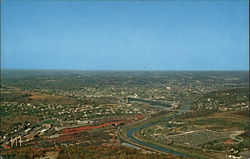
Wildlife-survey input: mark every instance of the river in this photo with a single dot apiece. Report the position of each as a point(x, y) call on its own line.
point(130, 132)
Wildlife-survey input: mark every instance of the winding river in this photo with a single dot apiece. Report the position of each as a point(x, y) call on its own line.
point(130, 132)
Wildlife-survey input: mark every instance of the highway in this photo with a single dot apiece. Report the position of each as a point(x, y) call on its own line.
point(127, 133)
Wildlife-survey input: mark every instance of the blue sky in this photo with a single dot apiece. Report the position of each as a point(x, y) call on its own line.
point(125, 35)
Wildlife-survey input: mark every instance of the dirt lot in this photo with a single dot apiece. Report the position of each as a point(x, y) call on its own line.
point(49, 99)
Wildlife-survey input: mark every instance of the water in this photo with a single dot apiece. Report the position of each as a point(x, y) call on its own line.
point(153, 103)
point(130, 133)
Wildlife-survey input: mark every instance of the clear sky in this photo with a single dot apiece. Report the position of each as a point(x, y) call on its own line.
point(125, 35)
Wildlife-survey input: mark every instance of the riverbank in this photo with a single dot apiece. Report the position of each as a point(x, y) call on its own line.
point(131, 134)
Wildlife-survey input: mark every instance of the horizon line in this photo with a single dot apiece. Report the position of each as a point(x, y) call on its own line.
point(40, 69)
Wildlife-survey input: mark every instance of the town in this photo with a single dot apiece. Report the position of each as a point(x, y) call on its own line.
point(51, 109)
